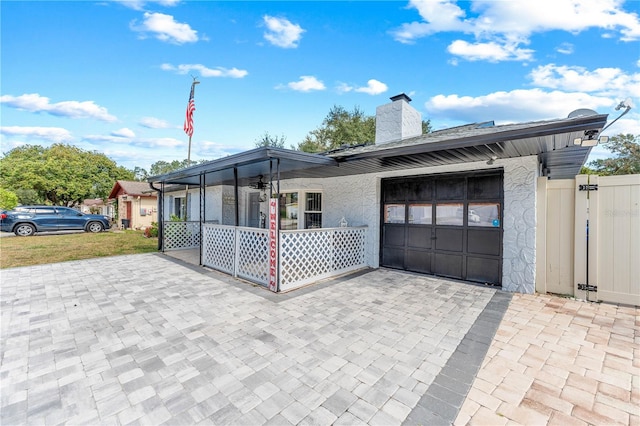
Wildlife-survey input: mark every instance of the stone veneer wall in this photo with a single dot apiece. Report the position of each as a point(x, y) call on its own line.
point(519, 238)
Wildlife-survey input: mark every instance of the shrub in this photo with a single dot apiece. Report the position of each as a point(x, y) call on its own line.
point(151, 231)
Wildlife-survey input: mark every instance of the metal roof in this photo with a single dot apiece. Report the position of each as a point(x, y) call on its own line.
point(551, 141)
point(249, 165)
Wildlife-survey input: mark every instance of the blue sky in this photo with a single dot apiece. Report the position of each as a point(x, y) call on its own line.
point(114, 76)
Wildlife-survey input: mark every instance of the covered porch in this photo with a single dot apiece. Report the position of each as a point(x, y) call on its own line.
point(279, 259)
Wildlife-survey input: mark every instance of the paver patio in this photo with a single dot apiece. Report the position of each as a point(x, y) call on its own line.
point(559, 361)
point(145, 340)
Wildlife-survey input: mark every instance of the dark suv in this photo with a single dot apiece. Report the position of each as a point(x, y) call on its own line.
point(25, 221)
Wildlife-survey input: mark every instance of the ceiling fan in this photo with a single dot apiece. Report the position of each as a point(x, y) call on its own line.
point(259, 184)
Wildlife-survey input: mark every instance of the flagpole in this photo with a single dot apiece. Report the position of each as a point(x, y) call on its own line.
point(190, 133)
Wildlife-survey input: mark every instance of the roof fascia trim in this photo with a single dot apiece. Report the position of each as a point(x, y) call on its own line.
point(547, 129)
point(248, 157)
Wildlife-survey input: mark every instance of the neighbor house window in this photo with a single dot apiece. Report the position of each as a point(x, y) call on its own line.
point(313, 210)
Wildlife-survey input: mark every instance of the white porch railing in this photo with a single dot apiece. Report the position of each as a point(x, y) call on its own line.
point(239, 251)
point(305, 255)
point(314, 254)
point(181, 235)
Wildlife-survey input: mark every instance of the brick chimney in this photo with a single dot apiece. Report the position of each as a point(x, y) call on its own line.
point(397, 120)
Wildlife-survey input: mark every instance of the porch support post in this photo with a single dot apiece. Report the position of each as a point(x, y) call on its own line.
point(161, 219)
point(235, 189)
point(202, 211)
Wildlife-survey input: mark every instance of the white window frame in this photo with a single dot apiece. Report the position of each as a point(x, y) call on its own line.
point(301, 211)
point(305, 211)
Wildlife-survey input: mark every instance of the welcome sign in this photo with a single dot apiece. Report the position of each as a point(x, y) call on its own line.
point(273, 244)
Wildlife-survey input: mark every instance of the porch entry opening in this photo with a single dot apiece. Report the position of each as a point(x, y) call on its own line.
point(448, 225)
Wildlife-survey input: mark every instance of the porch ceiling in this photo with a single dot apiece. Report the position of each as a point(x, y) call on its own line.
point(551, 141)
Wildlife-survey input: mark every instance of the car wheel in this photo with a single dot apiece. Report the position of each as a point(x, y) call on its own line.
point(24, 230)
point(95, 227)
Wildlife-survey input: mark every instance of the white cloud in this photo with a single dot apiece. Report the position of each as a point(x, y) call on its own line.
point(141, 142)
point(212, 150)
point(153, 123)
point(124, 133)
point(160, 142)
point(612, 82)
point(204, 71)
point(439, 16)
point(140, 4)
point(33, 102)
point(514, 106)
point(165, 28)
point(373, 87)
point(565, 48)
point(51, 134)
point(105, 138)
point(307, 83)
point(281, 32)
point(511, 23)
point(491, 51)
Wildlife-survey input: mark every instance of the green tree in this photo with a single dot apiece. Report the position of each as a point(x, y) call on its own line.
point(8, 200)
point(61, 174)
point(161, 167)
point(426, 126)
point(28, 196)
point(267, 140)
point(140, 174)
point(340, 127)
point(626, 160)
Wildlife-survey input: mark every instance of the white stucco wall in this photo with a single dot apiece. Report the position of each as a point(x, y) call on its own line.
point(357, 199)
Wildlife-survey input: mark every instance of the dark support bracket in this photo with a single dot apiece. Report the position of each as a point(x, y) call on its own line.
point(587, 287)
point(589, 187)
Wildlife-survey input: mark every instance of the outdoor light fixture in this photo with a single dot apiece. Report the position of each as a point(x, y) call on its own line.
point(492, 160)
point(589, 138)
point(590, 135)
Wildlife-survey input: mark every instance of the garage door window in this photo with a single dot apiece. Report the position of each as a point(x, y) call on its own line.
point(484, 214)
point(394, 213)
point(449, 214)
point(420, 214)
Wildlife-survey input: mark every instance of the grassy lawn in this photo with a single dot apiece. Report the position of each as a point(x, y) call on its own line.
point(52, 248)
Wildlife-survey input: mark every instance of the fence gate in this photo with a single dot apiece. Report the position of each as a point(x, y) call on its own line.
point(589, 238)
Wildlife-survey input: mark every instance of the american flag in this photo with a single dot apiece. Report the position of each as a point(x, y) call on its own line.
point(191, 106)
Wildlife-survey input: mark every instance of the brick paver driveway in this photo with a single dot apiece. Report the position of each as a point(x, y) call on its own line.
point(143, 339)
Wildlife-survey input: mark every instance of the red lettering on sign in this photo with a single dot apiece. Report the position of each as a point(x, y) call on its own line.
point(273, 244)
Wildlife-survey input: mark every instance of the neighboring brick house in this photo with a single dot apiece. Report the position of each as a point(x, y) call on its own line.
point(136, 204)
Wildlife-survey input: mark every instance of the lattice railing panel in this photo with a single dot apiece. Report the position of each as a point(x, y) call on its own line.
point(307, 256)
point(219, 247)
point(181, 235)
point(253, 254)
point(348, 248)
